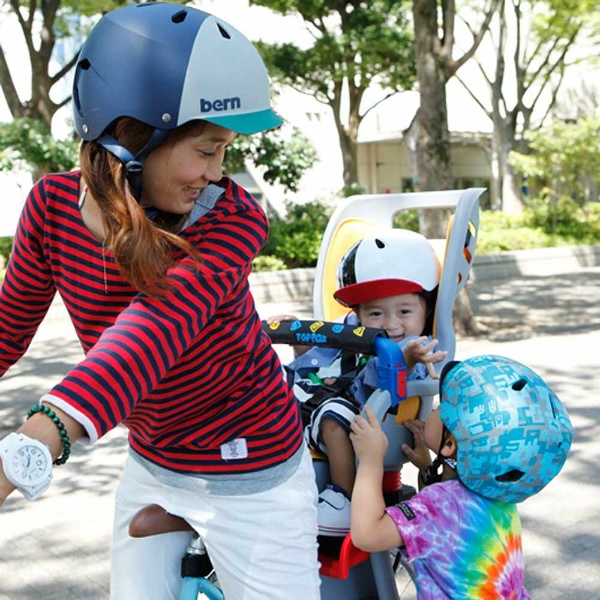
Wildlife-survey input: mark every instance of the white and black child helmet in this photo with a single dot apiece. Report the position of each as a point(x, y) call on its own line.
point(389, 263)
point(513, 433)
point(165, 65)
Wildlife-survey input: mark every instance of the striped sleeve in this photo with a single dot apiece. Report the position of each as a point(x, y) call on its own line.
point(28, 288)
point(149, 337)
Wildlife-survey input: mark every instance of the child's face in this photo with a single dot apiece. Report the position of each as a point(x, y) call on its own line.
point(401, 316)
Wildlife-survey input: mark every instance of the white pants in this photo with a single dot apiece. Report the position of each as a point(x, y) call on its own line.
point(263, 546)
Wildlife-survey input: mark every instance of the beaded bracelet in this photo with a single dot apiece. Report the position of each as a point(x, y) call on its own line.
point(40, 408)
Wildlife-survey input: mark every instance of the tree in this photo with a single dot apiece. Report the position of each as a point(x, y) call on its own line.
point(42, 24)
point(27, 142)
point(27, 145)
point(428, 135)
point(533, 42)
point(281, 158)
point(562, 163)
point(358, 45)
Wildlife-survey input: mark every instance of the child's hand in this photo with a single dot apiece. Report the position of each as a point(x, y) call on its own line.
point(280, 318)
point(416, 351)
point(419, 455)
point(368, 439)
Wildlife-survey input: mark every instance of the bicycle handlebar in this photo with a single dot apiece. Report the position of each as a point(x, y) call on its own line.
point(354, 338)
point(391, 370)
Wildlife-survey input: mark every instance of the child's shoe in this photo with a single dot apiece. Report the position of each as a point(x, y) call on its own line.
point(333, 512)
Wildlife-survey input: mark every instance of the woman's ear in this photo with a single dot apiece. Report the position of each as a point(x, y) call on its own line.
point(449, 447)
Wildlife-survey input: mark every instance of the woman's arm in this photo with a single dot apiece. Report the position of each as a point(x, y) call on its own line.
point(28, 289)
point(41, 427)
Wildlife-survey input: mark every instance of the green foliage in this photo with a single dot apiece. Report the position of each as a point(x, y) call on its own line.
point(296, 239)
point(28, 144)
point(407, 219)
point(499, 232)
point(283, 157)
point(5, 248)
point(354, 189)
point(535, 228)
point(268, 263)
point(565, 218)
point(561, 161)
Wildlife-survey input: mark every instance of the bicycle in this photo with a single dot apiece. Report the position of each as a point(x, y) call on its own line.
point(199, 578)
point(196, 569)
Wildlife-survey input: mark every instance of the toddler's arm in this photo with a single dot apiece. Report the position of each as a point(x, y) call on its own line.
point(372, 529)
point(416, 351)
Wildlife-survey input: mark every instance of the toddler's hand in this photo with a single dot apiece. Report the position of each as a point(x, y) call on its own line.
point(368, 439)
point(419, 455)
point(416, 351)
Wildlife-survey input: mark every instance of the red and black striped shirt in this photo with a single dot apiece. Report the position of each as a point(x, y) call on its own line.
point(186, 373)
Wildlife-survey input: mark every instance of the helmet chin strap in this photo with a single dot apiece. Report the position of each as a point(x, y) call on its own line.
point(432, 473)
point(134, 164)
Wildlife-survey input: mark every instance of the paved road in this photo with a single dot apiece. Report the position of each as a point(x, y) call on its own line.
point(58, 547)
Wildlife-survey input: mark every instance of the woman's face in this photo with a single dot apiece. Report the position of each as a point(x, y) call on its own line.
point(178, 170)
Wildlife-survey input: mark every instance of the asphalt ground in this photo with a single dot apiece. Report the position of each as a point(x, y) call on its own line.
point(58, 547)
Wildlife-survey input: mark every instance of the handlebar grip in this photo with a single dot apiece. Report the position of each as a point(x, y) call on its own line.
point(354, 338)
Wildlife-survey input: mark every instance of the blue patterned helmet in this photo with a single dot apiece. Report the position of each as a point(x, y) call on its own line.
point(513, 434)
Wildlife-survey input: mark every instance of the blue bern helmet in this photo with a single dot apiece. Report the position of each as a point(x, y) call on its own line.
point(165, 65)
point(513, 433)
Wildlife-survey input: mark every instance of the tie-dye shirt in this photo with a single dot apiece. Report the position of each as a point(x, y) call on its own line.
point(461, 544)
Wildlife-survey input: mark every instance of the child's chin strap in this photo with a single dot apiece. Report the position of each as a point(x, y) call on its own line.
point(432, 473)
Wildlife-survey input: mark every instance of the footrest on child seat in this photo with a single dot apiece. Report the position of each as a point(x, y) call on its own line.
point(338, 556)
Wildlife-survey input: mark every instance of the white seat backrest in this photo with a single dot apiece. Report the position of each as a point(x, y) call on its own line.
point(360, 215)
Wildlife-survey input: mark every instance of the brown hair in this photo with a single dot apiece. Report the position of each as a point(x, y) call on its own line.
point(142, 248)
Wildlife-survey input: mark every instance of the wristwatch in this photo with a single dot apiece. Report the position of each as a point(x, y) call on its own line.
point(27, 464)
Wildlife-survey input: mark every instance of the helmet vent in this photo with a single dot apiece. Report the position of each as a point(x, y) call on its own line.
point(84, 64)
point(224, 32)
point(510, 476)
point(519, 384)
point(379, 243)
point(179, 17)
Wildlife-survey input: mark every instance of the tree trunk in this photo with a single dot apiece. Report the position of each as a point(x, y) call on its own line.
point(465, 323)
point(432, 138)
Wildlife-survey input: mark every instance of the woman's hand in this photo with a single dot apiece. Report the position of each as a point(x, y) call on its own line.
point(6, 487)
point(299, 350)
point(420, 455)
point(280, 318)
point(416, 351)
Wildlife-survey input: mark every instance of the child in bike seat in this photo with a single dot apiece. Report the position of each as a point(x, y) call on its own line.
point(499, 435)
point(389, 281)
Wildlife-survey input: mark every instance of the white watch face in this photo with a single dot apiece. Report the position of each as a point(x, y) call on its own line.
point(29, 465)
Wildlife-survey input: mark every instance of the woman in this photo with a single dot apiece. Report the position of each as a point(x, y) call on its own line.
point(150, 250)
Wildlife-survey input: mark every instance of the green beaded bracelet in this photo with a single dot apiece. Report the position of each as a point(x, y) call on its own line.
point(40, 408)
